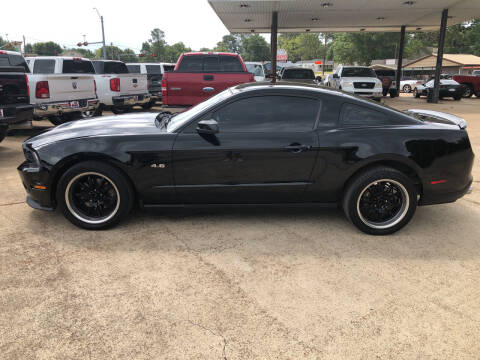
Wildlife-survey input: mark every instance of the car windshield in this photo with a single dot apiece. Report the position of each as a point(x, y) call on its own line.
point(298, 74)
point(182, 118)
point(255, 69)
point(358, 72)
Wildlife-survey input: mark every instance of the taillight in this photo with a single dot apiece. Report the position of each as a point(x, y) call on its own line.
point(28, 85)
point(164, 88)
point(95, 87)
point(115, 84)
point(42, 91)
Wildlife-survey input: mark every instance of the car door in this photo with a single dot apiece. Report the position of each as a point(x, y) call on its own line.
point(264, 152)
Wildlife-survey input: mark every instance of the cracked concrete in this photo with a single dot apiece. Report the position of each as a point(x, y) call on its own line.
point(239, 284)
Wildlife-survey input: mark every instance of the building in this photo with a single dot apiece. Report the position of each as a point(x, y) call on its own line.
point(452, 64)
point(316, 65)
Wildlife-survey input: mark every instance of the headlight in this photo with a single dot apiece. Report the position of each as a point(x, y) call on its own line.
point(32, 157)
point(378, 85)
point(347, 84)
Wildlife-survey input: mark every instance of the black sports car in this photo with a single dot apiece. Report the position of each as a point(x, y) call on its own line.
point(448, 88)
point(257, 143)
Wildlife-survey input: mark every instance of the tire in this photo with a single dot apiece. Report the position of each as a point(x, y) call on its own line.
point(406, 88)
point(416, 93)
point(121, 109)
point(149, 105)
point(64, 118)
point(468, 92)
point(393, 93)
point(477, 94)
point(457, 98)
point(384, 92)
point(3, 132)
point(98, 110)
point(55, 120)
point(94, 195)
point(390, 184)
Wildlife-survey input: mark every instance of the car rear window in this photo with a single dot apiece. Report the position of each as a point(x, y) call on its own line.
point(360, 116)
point(14, 60)
point(133, 69)
point(44, 66)
point(385, 72)
point(358, 72)
point(115, 67)
point(77, 66)
point(298, 74)
point(168, 67)
point(210, 63)
point(153, 69)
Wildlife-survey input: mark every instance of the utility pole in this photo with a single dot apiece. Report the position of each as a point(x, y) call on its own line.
point(103, 34)
point(24, 43)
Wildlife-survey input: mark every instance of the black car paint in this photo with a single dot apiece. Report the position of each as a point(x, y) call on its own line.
point(255, 168)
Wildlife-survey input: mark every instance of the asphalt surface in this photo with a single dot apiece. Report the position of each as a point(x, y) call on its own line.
point(256, 284)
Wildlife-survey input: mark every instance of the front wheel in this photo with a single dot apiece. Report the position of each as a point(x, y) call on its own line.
point(380, 201)
point(468, 91)
point(121, 109)
point(416, 93)
point(94, 195)
point(149, 105)
point(406, 88)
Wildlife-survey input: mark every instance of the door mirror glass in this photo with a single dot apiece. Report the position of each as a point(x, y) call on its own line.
point(335, 76)
point(209, 127)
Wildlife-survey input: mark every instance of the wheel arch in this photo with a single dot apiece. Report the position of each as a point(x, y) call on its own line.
point(66, 163)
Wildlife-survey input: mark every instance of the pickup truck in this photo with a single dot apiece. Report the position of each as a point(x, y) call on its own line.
point(358, 80)
point(471, 84)
point(154, 72)
point(117, 89)
point(62, 88)
point(199, 75)
point(14, 98)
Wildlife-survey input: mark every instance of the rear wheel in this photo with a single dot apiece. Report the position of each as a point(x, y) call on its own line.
point(468, 91)
point(406, 88)
point(380, 201)
point(94, 195)
point(416, 93)
point(149, 105)
point(457, 98)
point(62, 119)
point(98, 110)
point(121, 109)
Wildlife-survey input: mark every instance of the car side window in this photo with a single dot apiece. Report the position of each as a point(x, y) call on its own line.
point(356, 115)
point(273, 113)
point(44, 66)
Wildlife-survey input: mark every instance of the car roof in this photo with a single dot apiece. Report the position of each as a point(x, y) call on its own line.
point(295, 68)
point(286, 85)
point(56, 57)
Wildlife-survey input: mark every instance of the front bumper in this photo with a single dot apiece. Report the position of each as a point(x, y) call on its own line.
point(370, 93)
point(62, 107)
point(14, 114)
point(37, 198)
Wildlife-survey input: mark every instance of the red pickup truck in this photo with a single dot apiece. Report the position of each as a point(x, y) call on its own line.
point(199, 75)
point(471, 84)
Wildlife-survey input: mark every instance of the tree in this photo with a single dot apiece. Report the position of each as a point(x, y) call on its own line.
point(47, 48)
point(230, 43)
point(113, 52)
point(255, 48)
point(173, 52)
point(85, 52)
point(28, 48)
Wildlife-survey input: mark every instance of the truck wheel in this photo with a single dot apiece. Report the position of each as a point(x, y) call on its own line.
point(384, 92)
point(468, 92)
point(393, 93)
point(477, 94)
point(55, 120)
point(380, 201)
point(416, 93)
point(94, 195)
point(149, 105)
point(3, 132)
point(121, 109)
point(456, 98)
point(98, 110)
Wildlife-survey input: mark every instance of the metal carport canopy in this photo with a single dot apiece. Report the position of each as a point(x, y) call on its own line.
point(341, 15)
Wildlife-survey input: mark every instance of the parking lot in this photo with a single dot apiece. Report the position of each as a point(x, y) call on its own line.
point(240, 284)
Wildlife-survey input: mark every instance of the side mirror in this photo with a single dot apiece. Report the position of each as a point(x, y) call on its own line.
point(318, 78)
point(208, 127)
point(335, 76)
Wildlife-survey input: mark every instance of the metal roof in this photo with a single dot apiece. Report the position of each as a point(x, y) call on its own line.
point(448, 60)
point(341, 15)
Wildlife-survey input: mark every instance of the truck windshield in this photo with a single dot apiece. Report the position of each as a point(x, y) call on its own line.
point(13, 60)
point(133, 69)
point(182, 118)
point(77, 67)
point(298, 74)
point(110, 67)
point(153, 69)
point(358, 72)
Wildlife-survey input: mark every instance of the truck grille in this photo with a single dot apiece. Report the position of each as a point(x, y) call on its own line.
point(363, 85)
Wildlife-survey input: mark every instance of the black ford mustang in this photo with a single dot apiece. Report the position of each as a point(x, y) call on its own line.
point(253, 144)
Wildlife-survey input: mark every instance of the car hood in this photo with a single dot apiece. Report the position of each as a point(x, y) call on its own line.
point(300, 81)
point(437, 117)
point(137, 123)
point(361, 79)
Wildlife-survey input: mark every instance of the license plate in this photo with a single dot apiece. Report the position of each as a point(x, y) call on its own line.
point(1, 112)
point(74, 104)
point(451, 89)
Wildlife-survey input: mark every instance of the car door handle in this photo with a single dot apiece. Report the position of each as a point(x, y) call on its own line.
point(297, 148)
point(208, 89)
point(208, 77)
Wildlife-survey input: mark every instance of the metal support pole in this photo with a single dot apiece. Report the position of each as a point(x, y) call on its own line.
point(400, 58)
point(438, 68)
point(273, 46)
point(103, 40)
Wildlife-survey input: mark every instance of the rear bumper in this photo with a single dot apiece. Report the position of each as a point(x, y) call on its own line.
point(36, 198)
point(130, 100)
point(447, 197)
point(62, 107)
point(14, 114)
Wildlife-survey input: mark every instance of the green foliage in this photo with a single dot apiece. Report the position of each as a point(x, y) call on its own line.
point(47, 48)
point(154, 48)
point(173, 52)
point(255, 48)
point(4, 45)
point(115, 53)
point(85, 52)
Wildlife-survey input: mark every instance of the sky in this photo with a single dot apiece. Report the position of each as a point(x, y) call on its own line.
point(127, 23)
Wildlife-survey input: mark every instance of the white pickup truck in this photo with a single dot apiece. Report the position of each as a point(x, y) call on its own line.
point(358, 80)
point(117, 89)
point(61, 88)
